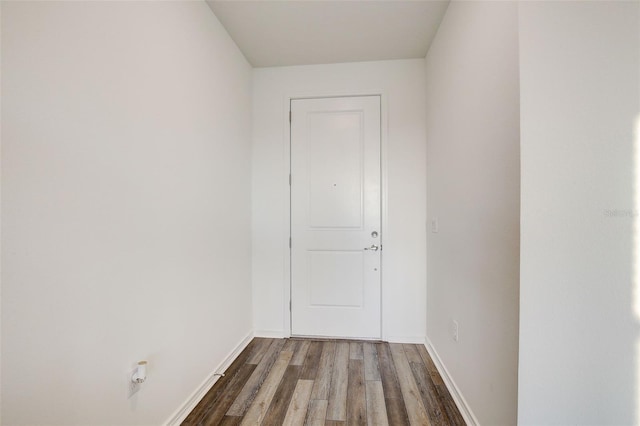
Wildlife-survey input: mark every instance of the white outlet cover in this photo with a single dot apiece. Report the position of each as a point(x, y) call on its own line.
point(133, 386)
point(434, 225)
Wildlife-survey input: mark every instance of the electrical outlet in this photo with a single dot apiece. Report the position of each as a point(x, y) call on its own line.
point(133, 386)
point(454, 330)
point(434, 225)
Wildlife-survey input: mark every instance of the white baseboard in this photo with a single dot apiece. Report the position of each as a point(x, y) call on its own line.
point(272, 334)
point(280, 334)
point(457, 396)
point(191, 402)
point(412, 340)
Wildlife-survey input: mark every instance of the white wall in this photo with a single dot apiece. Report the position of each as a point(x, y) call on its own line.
point(473, 178)
point(580, 294)
point(403, 272)
point(0, 215)
point(125, 207)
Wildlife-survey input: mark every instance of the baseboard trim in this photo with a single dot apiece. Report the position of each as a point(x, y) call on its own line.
point(456, 394)
point(271, 334)
point(280, 334)
point(412, 340)
point(181, 413)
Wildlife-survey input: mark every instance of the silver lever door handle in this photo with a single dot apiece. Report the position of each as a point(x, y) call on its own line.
point(372, 248)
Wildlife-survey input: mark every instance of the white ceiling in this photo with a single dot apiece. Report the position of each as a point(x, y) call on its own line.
point(299, 32)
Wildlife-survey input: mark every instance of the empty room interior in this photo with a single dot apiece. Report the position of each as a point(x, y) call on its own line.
point(187, 183)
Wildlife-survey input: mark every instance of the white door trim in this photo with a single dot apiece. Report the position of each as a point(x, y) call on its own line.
point(286, 131)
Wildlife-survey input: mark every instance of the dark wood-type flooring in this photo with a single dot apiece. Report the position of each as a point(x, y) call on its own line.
point(328, 382)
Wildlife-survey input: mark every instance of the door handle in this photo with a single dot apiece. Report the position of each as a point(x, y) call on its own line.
point(372, 248)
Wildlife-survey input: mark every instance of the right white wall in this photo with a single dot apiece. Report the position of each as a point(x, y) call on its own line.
point(473, 190)
point(580, 277)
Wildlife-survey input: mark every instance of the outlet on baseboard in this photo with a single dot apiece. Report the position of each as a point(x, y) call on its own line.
point(454, 330)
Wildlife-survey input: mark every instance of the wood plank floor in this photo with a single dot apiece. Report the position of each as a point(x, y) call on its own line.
point(328, 382)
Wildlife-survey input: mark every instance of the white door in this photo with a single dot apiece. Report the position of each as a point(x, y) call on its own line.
point(335, 217)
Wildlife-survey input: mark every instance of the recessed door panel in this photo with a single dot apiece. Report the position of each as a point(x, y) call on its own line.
point(334, 164)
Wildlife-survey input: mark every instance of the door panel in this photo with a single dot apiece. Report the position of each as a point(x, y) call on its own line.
point(335, 208)
point(334, 164)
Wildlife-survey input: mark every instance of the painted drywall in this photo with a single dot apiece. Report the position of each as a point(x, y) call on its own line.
point(125, 207)
point(403, 273)
point(0, 215)
point(580, 295)
point(473, 190)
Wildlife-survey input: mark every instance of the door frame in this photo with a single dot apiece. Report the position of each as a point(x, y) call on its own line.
point(286, 131)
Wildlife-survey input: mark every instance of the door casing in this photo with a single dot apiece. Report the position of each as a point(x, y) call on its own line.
point(287, 190)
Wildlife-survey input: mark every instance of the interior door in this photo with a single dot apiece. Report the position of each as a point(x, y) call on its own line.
point(335, 217)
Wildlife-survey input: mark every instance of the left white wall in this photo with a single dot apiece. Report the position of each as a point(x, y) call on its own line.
point(125, 207)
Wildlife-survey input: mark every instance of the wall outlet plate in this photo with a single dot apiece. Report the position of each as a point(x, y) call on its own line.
point(454, 330)
point(133, 387)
